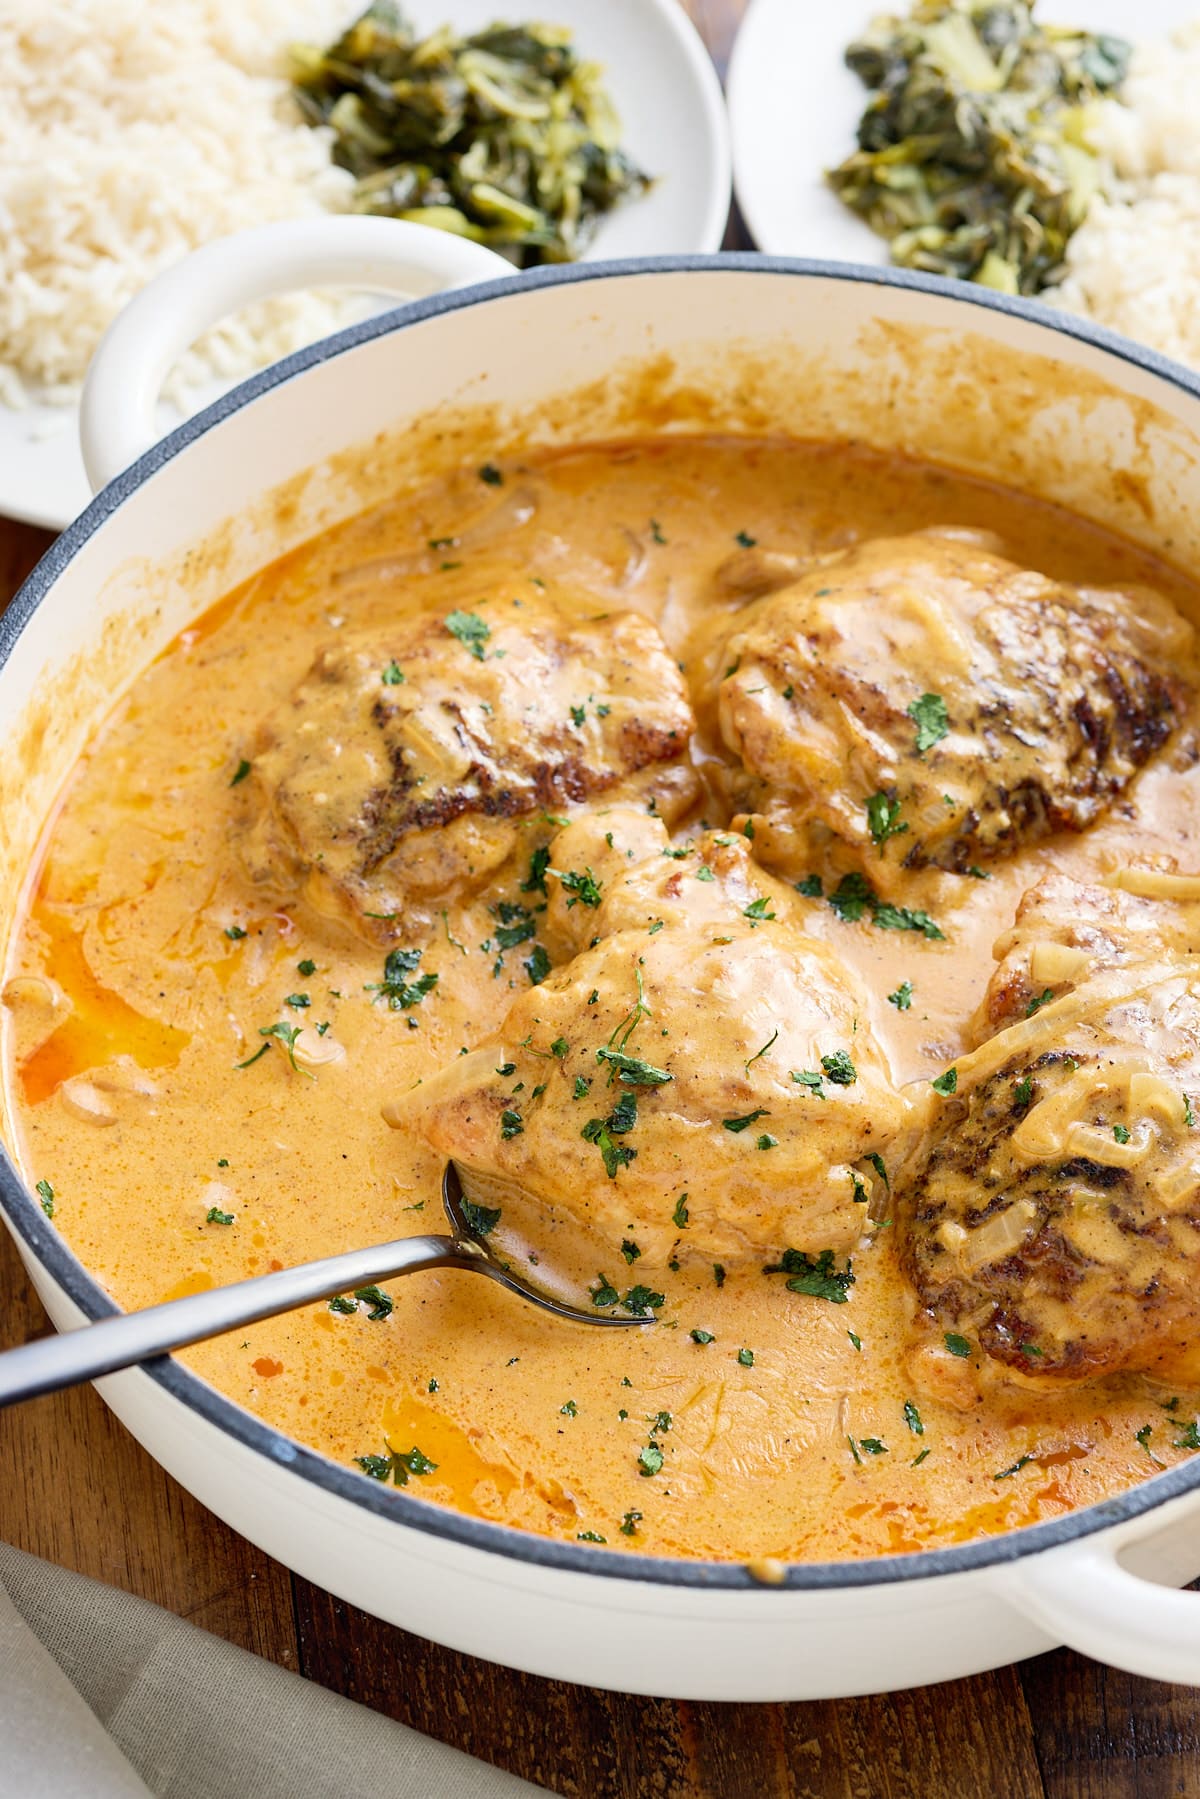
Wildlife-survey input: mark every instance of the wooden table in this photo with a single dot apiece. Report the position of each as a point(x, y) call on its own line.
point(76, 1489)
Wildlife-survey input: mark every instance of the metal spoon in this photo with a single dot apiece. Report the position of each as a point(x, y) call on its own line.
point(75, 1356)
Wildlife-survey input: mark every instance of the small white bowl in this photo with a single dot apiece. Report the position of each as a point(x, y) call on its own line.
point(673, 124)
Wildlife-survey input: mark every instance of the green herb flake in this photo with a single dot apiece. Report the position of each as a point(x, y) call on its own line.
point(215, 1215)
point(1022, 1092)
point(583, 888)
point(872, 1445)
point(1191, 1436)
point(913, 1419)
point(1120, 1133)
point(235, 933)
point(569, 1410)
point(490, 475)
point(45, 1193)
point(1036, 1004)
point(399, 993)
point(718, 1273)
point(759, 910)
point(819, 1278)
point(946, 1083)
point(737, 1125)
point(880, 1167)
point(839, 1068)
point(679, 1217)
point(931, 719)
point(604, 1293)
point(1022, 1461)
point(902, 997)
point(650, 1460)
point(343, 1305)
point(380, 1306)
point(470, 630)
point(883, 818)
point(745, 1358)
point(702, 1337)
point(629, 1523)
point(630, 1251)
point(589, 1536)
point(392, 675)
point(511, 1124)
point(766, 1141)
point(855, 1339)
point(957, 1345)
point(481, 1221)
point(240, 773)
point(632, 1071)
point(537, 966)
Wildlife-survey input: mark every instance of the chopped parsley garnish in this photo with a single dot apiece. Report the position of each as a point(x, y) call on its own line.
point(535, 881)
point(569, 1410)
point(750, 1060)
point(855, 1339)
point(343, 1305)
point(758, 911)
point(872, 1445)
point(505, 1069)
point(578, 714)
point(392, 675)
point(1023, 1091)
point(632, 1071)
point(1120, 1133)
point(511, 1124)
point(913, 1419)
point(766, 1141)
point(490, 474)
point(819, 1278)
point(746, 1358)
point(380, 1307)
point(470, 630)
point(853, 1451)
point(235, 933)
point(650, 1459)
point(299, 1002)
point(45, 1193)
point(656, 531)
point(630, 1250)
point(810, 1078)
point(744, 538)
point(718, 1273)
point(240, 772)
point(400, 993)
point(876, 1160)
point(481, 1220)
point(705, 873)
point(918, 1459)
point(580, 1089)
point(955, 1344)
point(1022, 1461)
point(1143, 1437)
point(839, 1068)
point(931, 719)
point(946, 1083)
point(640, 1300)
point(601, 1132)
point(559, 1048)
point(629, 1523)
point(902, 997)
point(883, 818)
point(379, 1467)
point(1189, 1117)
point(679, 1217)
point(285, 1034)
point(854, 897)
point(215, 1215)
point(537, 966)
point(604, 1293)
point(702, 1337)
point(584, 888)
point(811, 887)
point(1190, 1438)
point(517, 925)
point(307, 968)
point(1042, 999)
point(736, 1125)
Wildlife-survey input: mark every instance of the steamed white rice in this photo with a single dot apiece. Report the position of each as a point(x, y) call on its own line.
point(131, 133)
point(1134, 264)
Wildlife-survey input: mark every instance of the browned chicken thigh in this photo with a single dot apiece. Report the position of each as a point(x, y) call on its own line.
point(1049, 1215)
point(406, 762)
point(930, 703)
point(700, 1082)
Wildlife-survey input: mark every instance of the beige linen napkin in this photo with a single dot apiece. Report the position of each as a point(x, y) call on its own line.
point(104, 1696)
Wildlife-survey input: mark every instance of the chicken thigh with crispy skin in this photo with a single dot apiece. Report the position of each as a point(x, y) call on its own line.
point(401, 769)
point(932, 704)
point(703, 1087)
point(1049, 1214)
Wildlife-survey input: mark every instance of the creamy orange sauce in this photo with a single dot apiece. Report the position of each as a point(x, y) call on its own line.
point(130, 1005)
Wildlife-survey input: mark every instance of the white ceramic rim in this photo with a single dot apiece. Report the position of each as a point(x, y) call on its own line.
point(41, 1242)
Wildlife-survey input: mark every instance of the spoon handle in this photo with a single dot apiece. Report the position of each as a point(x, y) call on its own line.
point(85, 1354)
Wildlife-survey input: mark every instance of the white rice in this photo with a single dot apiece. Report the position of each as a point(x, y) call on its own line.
point(131, 133)
point(1134, 264)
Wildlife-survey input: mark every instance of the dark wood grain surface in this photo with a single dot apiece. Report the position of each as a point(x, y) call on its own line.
point(76, 1489)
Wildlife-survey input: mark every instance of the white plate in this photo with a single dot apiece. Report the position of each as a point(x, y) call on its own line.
point(794, 106)
point(673, 125)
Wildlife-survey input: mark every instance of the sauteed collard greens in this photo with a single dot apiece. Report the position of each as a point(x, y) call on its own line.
point(505, 136)
point(972, 154)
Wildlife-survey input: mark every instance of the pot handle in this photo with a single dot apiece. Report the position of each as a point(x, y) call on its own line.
point(1084, 1596)
point(117, 410)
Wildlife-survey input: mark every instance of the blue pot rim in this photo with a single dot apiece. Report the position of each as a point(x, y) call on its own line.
point(50, 1250)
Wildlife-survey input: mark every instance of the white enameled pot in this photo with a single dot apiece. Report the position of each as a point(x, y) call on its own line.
point(980, 382)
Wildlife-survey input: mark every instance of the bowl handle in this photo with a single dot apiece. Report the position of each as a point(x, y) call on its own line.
point(1083, 1595)
point(117, 411)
